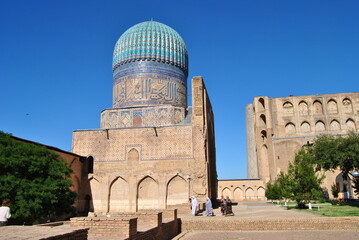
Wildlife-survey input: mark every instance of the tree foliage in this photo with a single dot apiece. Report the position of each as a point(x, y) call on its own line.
point(35, 181)
point(333, 152)
point(305, 181)
point(301, 183)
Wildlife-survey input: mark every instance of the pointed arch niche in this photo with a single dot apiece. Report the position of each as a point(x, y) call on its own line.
point(334, 125)
point(177, 191)
point(249, 194)
point(303, 108)
point(332, 106)
point(347, 105)
point(290, 128)
point(288, 108)
point(319, 126)
point(263, 121)
point(227, 192)
point(119, 200)
point(137, 121)
point(133, 155)
point(317, 107)
point(147, 194)
point(261, 193)
point(238, 194)
point(261, 105)
point(350, 124)
point(305, 127)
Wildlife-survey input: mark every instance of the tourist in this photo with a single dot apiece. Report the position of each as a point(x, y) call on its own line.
point(4, 212)
point(222, 204)
point(194, 205)
point(228, 206)
point(209, 208)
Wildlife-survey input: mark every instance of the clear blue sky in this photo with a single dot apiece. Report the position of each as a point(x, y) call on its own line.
point(55, 60)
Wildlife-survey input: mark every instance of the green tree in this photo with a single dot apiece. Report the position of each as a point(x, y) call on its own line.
point(280, 189)
point(35, 181)
point(273, 191)
point(304, 180)
point(330, 153)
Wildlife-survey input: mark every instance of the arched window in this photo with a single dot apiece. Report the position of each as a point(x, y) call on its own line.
point(334, 125)
point(303, 108)
point(290, 128)
point(137, 121)
point(319, 126)
point(347, 105)
point(264, 135)
point(350, 124)
point(318, 107)
point(133, 155)
point(261, 104)
point(305, 127)
point(263, 120)
point(288, 107)
point(332, 106)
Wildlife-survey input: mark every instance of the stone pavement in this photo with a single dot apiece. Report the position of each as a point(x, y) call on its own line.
point(258, 216)
point(258, 210)
point(277, 235)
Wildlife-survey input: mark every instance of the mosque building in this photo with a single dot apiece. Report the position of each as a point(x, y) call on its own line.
point(278, 127)
point(152, 151)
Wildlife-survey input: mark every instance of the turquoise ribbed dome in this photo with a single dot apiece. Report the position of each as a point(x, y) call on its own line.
point(151, 41)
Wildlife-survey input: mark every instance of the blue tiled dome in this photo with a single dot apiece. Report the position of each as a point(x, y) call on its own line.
point(151, 41)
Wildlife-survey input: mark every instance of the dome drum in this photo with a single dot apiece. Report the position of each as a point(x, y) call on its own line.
point(150, 67)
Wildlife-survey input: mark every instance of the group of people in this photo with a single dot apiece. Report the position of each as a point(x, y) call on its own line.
point(225, 204)
point(194, 206)
point(5, 212)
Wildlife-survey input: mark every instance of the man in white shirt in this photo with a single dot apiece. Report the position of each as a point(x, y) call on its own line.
point(4, 212)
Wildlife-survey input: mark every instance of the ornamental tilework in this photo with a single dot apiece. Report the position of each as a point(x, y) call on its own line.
point(149, 83)
point(149, 116)
point(159, 144)
point(151, 41)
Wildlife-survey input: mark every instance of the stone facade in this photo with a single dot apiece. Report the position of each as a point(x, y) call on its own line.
point(140, 168)
point(278, 127)
point(152, 151)
point(242, 189)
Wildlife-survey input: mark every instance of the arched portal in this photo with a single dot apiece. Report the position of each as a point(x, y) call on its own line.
point(238, 194)
point(118, 199)
point(227, 192)
point(249, 194)
point(177, 191)
point(147, 194)
point(261, 193)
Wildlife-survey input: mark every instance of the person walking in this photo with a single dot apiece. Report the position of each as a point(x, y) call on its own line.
point(209, 208)
point(5, 212)
point(194, 205)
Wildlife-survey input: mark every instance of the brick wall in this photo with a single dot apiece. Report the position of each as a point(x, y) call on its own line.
point(119, 227)
point(136, 225)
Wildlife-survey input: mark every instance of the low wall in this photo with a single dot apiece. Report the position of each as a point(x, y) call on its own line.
point(136, 225)
point(114, 227)
point(269, 224)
